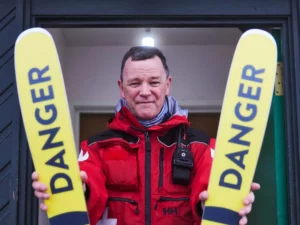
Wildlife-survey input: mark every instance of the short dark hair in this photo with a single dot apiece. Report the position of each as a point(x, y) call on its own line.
point(142, 53)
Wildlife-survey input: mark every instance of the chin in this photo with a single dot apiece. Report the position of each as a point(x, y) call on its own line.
point(147, 116)
point(147, 113)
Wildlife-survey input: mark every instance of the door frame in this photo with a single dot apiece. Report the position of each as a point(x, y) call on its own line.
point(289, 25)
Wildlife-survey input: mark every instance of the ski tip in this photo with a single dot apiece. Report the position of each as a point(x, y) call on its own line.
point(261, 32)
point(32, 30)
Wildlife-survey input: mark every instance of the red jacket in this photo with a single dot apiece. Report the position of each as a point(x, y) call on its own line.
point(129, 170)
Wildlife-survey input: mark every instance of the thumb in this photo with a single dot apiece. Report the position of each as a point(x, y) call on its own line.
point(203, 196)
point(83, 176)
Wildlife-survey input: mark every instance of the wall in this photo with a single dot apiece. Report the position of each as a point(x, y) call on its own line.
point(199, 74)
point(60, 43)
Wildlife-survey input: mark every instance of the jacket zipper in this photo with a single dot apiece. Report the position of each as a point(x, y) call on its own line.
point(117, 199)
point(167, 199)
point(147, 179)
point(161, 169)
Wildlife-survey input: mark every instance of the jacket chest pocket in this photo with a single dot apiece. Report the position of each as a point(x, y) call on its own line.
point(120, 167)
point(165, 179)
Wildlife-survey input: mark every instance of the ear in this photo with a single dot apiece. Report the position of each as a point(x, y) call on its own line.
point(169, 80)
point(120, 83)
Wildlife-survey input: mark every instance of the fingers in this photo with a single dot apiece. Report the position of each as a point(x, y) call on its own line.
point(255, 186)
point(246, 210)
point(35, 176)
point(248, 201)
point(43, 207)
point(38, 186)
point(40, 190)
point(243, 221)
point(41, 195)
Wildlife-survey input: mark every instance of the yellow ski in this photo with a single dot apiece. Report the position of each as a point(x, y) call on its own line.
point(47, 122)
point(243, 121)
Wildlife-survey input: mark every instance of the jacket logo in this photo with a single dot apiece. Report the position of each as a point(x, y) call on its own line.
point(170, 210)
point(83, 157)
point(212, 152)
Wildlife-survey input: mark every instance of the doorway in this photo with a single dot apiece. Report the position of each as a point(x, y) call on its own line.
point(91, 87)
point(93, 123)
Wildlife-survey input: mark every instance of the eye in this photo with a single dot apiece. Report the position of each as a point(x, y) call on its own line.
point(134, 84)
point(154, 83)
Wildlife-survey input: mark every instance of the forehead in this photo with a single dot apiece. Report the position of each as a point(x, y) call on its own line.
point(140, 68)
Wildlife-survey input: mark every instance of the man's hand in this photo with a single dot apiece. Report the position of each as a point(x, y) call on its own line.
point(40, 188)
point(84, 178)
point(248, 201)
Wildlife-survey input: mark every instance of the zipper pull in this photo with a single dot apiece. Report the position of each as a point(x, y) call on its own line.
point(147, 140)
point(137, 206)
point(155, 207)
point(137, 211)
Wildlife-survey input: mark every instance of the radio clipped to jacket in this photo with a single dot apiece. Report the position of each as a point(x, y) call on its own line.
point(182, 163)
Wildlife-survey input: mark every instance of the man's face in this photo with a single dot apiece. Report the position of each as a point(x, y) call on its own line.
point(144, 87)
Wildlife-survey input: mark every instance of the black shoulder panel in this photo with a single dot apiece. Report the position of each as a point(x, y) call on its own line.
point(194, 135)
point(109, 134)
point(169, 138)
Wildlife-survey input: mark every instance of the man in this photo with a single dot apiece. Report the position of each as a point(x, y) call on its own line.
point(149, 167)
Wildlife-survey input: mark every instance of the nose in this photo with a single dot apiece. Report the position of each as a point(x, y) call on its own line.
point(145, 89)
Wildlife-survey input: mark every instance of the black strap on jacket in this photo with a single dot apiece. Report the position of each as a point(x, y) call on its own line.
point(182, 162)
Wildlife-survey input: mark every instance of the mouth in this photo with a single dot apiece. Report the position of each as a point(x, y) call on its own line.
point(139, 103)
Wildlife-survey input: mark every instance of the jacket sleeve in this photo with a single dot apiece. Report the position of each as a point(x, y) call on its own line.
point(203, 163)
point(96, 193)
